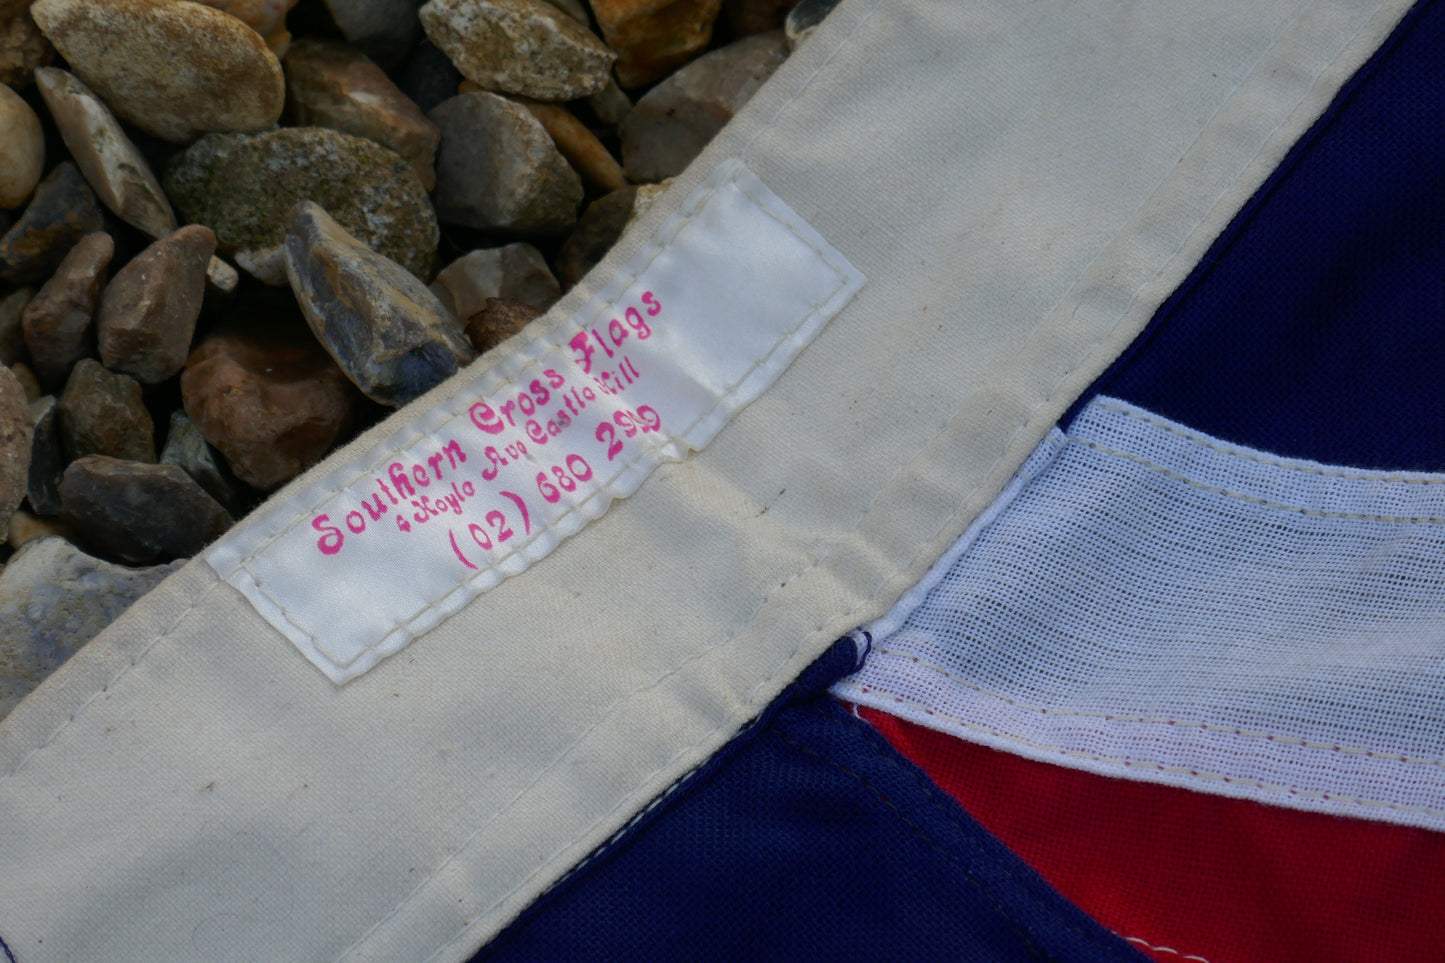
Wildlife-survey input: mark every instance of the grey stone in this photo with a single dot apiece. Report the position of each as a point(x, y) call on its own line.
point(15, 444)
point(46, 459)
point(611, 104)
point(53, 599)
point(525, 47)
point(243, 187)
point(391, 335)
point(675, 120)
point(429, 77)
point(57, 321)
point(188, 448)
point(23, 159)
point(498, 169)
point(804, 18)
point(114, 167)
point(384, 30)
point(516, 271)
point(62, 211)
point(136, 512)
point(336, 86)
point(102, 412)
point(175, 70)
point(148, 310)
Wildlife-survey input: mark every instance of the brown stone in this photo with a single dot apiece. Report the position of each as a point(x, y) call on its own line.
point(57, 321)
point(654, 37)
point(243, 187)
point(677, 118)
point(114, 167)
point(62, 211)
point(137, 512)
point(25, 527)
point(148, 311)
point(579, 145)
point(12, 332)
point(515, 272)
point(597, 231)
point(525, 47)
point(175, 70)
point(16, 434)
point(498, 320)
point(272, 404)
point(103, 413)
point(391, 335)
point(28, 382)
point(266, 17)
point(499, 170)
point(744, 17)
point(336, 86)
point(23, 158)
point(22, 46)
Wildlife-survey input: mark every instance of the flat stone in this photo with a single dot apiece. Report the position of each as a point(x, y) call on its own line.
point(498, 169)
point(22, 46)
point(47, 459)
point(497, 320)
point(675, 120)
point(243, 187)
point(515, 272)
point(16, 435)
point(188, 448)
point(654, 37)
point(12, 333)
point(804, 18)
point(62, 211)
point(579, 145)
point(385, 30)
point(266, 17)
point(23, 159)
point(138, 513)
point(273, 406)
point(391, 335)
point(102, 413)
point(53, 599)
point(148, 311)
point(336, 86)
point(597, 231)
point(525, 47)
point(57, 321)
point(175, 70)
point(28, 382)
point(114, 167)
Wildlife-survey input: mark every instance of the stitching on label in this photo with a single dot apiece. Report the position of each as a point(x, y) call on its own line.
point(1179, 723)
point(1159, 766)
point(1251, 499)
point(1108, 404)
point(602, 490)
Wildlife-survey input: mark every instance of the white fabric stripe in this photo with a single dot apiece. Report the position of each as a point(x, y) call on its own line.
point(1160, 605)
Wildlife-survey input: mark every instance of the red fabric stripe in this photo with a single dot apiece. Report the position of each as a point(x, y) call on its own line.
point(1197, 876)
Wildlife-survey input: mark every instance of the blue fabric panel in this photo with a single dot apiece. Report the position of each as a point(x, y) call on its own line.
point(1315, 326)
point(808, 838)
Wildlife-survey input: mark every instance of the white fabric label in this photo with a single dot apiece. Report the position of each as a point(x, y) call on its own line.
point(355, 564)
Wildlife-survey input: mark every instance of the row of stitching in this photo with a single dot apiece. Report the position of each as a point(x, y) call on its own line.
point(1200, 774)
point(1164, 949)
point(1108, 404)
point(1149, 720)
point(1251, 499)
point(601, 491)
